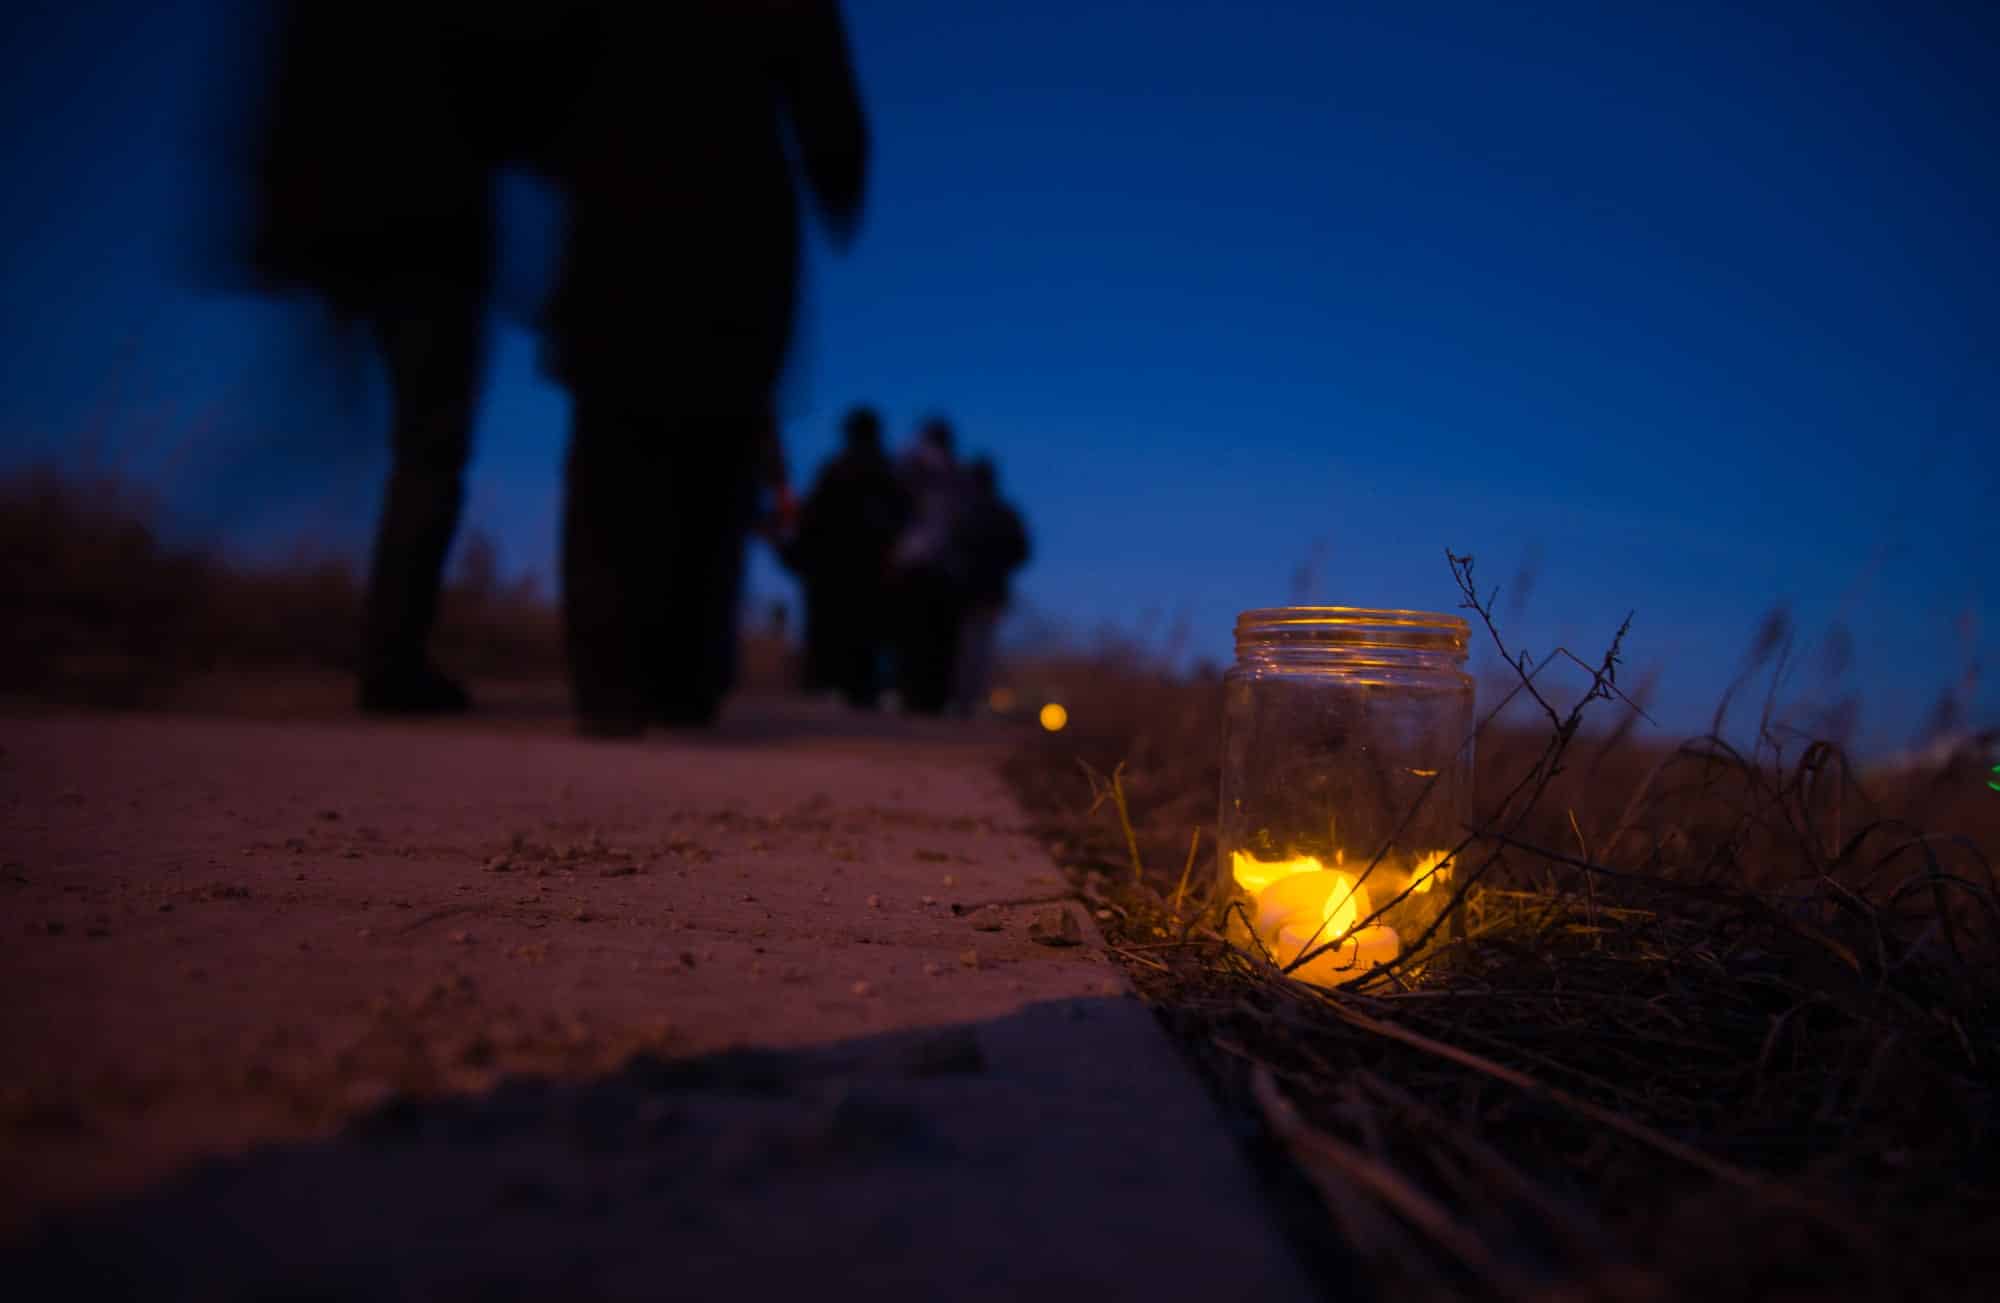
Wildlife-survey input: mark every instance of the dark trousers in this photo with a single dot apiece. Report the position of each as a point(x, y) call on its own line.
point(845, 637)
point(434, 350)
point(654, 519)
point(931, 608)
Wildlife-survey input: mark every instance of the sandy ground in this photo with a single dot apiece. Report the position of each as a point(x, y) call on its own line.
point(481, 1009)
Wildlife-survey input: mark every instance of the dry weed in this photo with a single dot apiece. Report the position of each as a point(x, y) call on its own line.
point(1703, 1021)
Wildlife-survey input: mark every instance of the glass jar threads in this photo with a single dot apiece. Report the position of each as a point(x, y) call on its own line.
point(1346, 782)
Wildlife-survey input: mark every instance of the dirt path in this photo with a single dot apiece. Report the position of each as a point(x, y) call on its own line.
point(337, 942)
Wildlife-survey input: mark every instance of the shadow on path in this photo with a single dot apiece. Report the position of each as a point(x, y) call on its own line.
point(1060, 1152)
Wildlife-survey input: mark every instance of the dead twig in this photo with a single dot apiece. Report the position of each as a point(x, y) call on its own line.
point(1326, 1157)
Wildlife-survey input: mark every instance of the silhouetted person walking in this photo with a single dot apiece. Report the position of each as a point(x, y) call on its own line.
point(671, 321)
point(995, 546)
point(850, 520)
point(372, 156)
point(929, 567)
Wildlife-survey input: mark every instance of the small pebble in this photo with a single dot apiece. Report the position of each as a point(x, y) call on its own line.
point(932, 970)
point(928, 900)
point(968, 958)
point(863, 988)
point(874, 902)
point(950, 881)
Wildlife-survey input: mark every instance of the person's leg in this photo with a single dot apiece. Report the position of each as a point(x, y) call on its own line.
point(907, 640)
point(434, 350)
point(948, 622)
point(607, 541)
point(685, 365)
point(862, 637)
point(692, 643)
point(820, 670)
point(977, 631)
point(930, 645)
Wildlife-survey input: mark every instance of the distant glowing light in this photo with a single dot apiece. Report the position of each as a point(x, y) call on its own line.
point(1054, 717)
point(1994, 782)
point(1001, 700)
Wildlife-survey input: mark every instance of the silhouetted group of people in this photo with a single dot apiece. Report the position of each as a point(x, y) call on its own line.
point(906, 566)
point(678, 136)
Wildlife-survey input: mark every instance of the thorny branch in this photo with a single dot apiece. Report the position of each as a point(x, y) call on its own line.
point(1534, 782)
point(1744, 989)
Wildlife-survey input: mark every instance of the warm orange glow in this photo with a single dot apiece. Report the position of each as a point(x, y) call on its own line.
point(1253, 875)
point(1430, 869)
point(1001, 700)
point(1302, 905)
point(1327, 895)
point(1352, 958)
point(1054, 717)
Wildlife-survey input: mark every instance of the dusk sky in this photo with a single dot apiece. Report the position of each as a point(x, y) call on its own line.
point(1690, 309)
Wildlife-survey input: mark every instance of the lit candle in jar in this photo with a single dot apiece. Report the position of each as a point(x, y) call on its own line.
point(1346, 749)
point(1353, 957)
point(1303, 906)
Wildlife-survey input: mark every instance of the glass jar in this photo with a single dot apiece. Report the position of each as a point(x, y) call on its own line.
point(1346, 782)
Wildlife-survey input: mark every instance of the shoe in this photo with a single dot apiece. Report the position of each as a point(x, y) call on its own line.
point(420, 690)
point(687, 712)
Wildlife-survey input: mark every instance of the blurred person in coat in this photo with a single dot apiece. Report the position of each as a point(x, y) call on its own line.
point(367, 161)
point(671, 322)
point(849, 523)
point(995, 546)
point(929, 568)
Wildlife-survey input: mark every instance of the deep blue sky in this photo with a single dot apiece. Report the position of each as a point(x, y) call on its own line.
point(1693, 310)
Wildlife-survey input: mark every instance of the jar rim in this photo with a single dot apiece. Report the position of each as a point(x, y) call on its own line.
point(1341, 623)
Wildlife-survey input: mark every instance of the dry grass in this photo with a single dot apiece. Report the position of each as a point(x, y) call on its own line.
point(1711, 1021)
point(98, 609)
point(1708, 1021)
